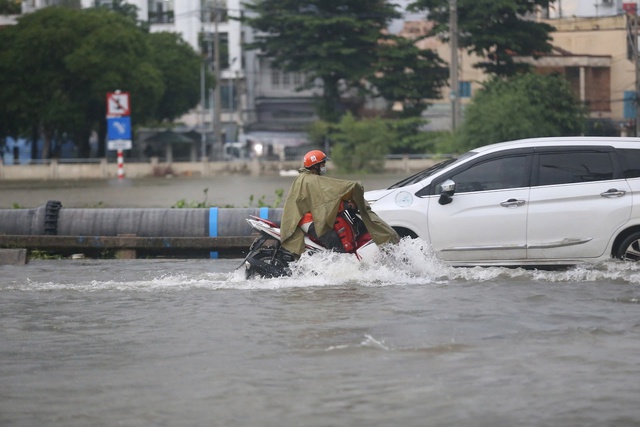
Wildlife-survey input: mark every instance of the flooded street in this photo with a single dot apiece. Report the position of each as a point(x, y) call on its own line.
point(406, 342)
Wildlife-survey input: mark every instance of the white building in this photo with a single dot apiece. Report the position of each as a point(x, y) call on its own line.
point(583, 8)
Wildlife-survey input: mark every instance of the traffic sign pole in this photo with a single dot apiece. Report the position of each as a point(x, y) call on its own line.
point(119, 133)
point(120, 165)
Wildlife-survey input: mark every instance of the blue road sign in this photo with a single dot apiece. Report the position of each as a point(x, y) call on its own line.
point(119, 128)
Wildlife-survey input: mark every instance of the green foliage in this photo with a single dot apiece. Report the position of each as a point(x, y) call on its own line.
point(57, 65)
point(407, 137)
point(260, 203)
point(183, 203)
point(360, 145)
point(97, 205)
point(179, 66)
point(494, 30)
point(332, 41)
point(10, 7)
point(601, 127)
point(523, 106)
point(408, 75)
point(43, 255)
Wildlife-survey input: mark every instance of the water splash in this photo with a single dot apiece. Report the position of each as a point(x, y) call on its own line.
point(411, 262)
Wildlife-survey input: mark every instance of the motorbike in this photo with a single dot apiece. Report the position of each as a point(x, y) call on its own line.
point(267, 258)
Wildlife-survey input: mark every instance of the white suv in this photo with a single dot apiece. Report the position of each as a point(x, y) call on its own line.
point(545, 201)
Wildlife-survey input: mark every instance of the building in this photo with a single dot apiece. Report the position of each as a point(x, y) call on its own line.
point(590, 51)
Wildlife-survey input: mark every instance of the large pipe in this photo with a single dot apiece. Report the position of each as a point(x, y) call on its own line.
point(52, 219)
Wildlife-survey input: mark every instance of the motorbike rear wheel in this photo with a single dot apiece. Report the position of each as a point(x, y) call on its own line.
point(264, 264)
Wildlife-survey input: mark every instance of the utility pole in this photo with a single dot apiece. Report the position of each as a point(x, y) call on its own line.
point(217, 102)
point(453, 64)
point(636, 58)
point(203, 136)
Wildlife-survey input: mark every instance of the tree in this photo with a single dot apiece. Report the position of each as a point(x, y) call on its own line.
point(334, 41)
point(360, 145)
point(523, 106)
point(408, 75)
point(58, 64)
point(180, 66)
point(496, 30)
point(113, 55)
point(9, 7)
point(35, 86)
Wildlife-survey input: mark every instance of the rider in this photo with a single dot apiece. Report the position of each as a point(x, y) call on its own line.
point(315, 162)
point(314, 201)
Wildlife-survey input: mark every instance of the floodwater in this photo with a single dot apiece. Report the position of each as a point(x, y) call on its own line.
point(405, 342)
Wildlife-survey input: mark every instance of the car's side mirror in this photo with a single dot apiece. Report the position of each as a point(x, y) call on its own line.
point(447, 189)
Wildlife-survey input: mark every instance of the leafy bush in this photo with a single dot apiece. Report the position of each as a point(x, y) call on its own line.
point(524, 106)
point(360, 145)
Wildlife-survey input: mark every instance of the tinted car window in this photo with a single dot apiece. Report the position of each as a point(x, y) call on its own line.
point(573, 167)
point(495, 174)
point(630, 160)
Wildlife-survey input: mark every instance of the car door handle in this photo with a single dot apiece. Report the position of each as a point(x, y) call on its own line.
point(613, 192)
point(512, 203)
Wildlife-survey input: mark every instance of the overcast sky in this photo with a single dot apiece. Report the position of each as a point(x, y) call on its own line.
point(569, 8)
point(396, 25)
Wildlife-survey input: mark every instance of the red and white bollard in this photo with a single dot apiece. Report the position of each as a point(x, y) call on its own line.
point(120, 165)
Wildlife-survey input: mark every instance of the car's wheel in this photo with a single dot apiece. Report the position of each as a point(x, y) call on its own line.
point(629, 249)
point(405, 232)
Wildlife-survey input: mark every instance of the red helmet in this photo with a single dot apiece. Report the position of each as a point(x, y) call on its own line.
point(314, 157)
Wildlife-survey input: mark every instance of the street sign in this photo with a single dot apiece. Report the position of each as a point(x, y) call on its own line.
point(119, 133)
point(118, 128)
point(118, 104)
point(119, 144)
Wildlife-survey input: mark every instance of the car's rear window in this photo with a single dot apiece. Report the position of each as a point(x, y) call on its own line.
point(630, 161)
point(574, 167)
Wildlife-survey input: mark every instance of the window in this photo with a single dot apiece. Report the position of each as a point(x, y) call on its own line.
point(275, 78)
point(494, 174)
point(629, 105)
point(464, 89)
point(572, 167)
point(630, 160)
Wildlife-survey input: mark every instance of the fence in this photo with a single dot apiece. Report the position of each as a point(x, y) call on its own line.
point(107, 168)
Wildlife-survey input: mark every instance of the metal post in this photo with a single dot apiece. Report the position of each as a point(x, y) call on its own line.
point(203, 136)
point(453, 65)
point(120, 164)
point(217, 102)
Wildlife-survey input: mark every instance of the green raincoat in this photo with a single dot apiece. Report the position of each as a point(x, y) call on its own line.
point(321, 196)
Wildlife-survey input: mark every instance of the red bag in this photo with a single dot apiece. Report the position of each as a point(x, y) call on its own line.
point(345, 230)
